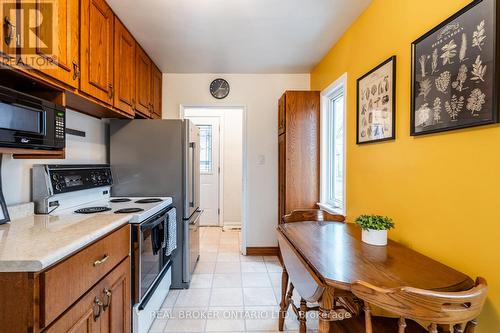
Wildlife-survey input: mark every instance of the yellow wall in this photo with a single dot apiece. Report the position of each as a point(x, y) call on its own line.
point(442, 190)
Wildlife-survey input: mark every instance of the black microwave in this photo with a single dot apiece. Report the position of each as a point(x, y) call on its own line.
point(30, 122)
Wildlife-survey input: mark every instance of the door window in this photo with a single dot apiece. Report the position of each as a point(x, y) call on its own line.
point(206, 143)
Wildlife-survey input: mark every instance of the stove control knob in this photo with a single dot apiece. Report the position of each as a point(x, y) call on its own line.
point(58, 187)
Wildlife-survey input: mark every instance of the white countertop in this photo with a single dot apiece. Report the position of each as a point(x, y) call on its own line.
point(33, 243)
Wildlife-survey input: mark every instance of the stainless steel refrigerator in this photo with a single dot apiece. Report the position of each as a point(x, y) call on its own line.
point(162, 158)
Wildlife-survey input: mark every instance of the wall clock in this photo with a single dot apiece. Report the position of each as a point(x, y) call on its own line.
point(219, 88)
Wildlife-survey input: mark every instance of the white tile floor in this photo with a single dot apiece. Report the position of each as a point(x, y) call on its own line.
point(229, 292)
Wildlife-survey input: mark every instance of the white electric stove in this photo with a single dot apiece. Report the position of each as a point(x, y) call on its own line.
point(139, 208)
point(85, 190)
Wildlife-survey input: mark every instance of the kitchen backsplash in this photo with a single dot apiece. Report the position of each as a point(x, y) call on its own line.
point(16, 174)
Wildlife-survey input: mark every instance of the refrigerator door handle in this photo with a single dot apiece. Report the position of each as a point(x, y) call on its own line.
point(192, 145)
point(199, 212)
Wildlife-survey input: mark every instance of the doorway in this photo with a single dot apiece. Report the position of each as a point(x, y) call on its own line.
point(221, 167)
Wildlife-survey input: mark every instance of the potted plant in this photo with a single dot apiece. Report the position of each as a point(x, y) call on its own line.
point(375, 228)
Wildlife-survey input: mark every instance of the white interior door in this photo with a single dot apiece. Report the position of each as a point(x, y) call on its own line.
point(209, 169)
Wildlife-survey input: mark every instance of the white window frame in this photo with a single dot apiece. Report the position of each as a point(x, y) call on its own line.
point(329, 93)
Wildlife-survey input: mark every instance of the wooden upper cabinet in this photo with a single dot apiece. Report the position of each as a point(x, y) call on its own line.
point(143, 66)
point(96, 31)
point(124, 97)
point(54, 50)
point(156, 92)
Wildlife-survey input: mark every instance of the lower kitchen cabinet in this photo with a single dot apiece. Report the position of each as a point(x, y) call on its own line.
point(105, 308)
point(89, 291)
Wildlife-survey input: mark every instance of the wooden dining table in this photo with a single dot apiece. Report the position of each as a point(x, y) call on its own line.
point(325, 258)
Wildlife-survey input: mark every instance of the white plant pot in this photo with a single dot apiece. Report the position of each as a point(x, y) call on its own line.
point(374, 237)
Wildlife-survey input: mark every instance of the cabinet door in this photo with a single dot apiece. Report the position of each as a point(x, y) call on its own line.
point(124, 69)
point(143, 82)
point(302, 149)
point(55, 51)
point(281, 175)
point(105, 308)
point(81, 317)
point(281, 114)
point(156, 91)
point(96, 57)
point(115, 293)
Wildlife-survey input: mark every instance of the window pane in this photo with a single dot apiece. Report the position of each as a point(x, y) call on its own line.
point(338, 178)
point(206, 149)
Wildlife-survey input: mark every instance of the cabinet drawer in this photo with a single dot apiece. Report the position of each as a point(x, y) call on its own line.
point(65, 283)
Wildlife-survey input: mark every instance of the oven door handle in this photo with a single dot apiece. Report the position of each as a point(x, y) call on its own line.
point(154, 223)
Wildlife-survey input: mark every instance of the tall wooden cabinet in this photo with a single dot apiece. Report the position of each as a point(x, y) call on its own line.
point(298, 146)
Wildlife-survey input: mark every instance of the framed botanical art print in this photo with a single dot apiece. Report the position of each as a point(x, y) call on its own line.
point(376, 104)
point(454, 72)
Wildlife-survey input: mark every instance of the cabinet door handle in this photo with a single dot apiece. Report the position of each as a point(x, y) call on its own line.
point(111, 91)
point(9, 30)
point(99, 305)
point(101, 261)
point(107, 302)
point(76, 71)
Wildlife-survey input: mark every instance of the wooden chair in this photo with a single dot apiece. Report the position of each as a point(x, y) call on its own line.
point(319, 215)
point(453, 312)
point(301, 279)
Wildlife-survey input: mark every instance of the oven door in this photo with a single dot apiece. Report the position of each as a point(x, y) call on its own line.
point(150, 263)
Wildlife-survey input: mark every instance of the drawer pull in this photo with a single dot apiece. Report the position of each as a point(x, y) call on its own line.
point(107, 294)
point(102, 261)
point(98, 303)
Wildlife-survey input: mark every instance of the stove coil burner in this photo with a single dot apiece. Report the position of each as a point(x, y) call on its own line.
point(150, 200)
point(92, 210)
point(128, 210)
point(117, 200)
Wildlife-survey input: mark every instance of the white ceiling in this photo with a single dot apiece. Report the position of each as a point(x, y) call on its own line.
point(237, 36)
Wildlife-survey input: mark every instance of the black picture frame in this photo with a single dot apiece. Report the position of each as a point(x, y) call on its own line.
point(392, 103)
point(491, 85)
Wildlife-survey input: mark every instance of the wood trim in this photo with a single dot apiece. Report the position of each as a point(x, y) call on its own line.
point(20, 153)
point(263, 251)
point(52, 155)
